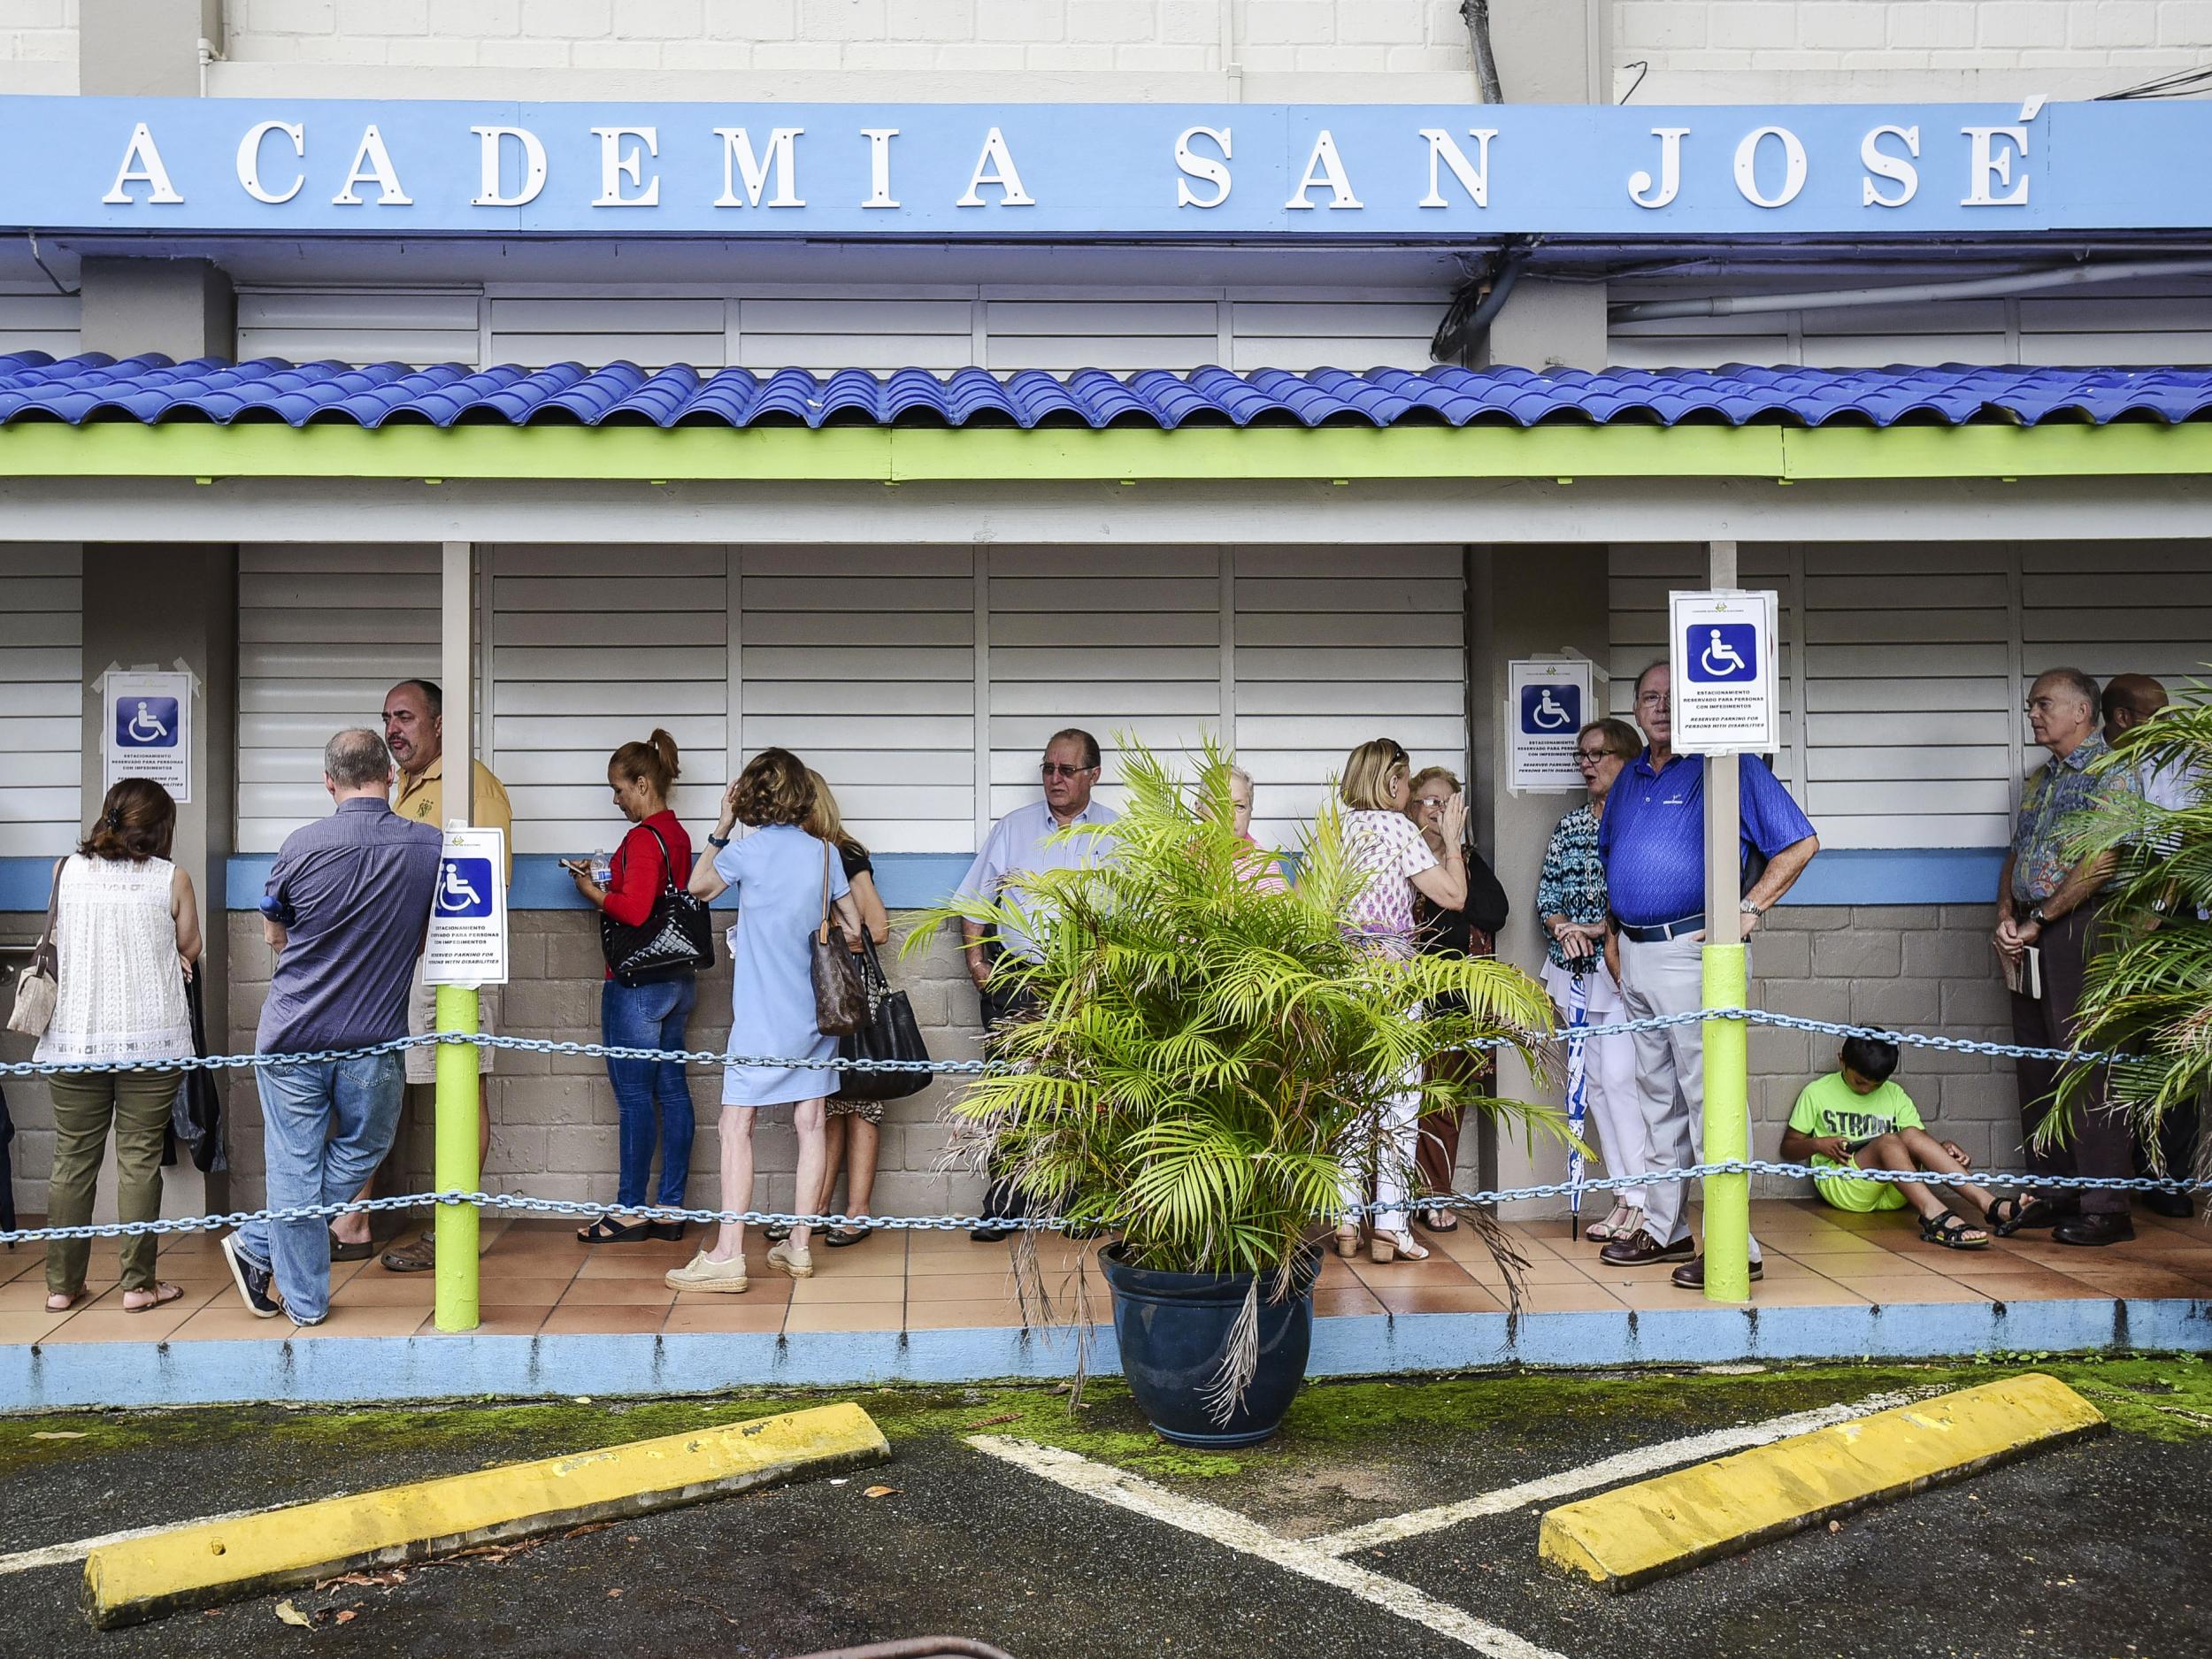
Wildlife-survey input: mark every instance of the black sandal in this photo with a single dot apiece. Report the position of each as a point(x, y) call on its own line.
point(775, 1232)
point(838, 1237)
point(668, 1231)
point(605, 1231)
point(2021, 1212)
point(1437, 1220)
point(1950, 1231)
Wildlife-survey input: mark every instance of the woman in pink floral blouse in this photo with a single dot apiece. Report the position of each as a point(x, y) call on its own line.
point(1382, 842)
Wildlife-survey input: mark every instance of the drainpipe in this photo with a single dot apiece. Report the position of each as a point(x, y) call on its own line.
point(1477, 15)
point(1980, 288)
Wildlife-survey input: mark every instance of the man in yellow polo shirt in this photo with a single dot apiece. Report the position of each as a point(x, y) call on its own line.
point(414, 731)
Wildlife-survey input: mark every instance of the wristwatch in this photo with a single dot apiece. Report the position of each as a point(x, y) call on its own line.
point(716, 841)
point(2038, 917)
point(1752, 907)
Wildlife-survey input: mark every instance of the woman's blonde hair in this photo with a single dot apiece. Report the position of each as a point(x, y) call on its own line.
point(1367, 774)
point(1451, 778)
point(774, 788)
point(824, 821)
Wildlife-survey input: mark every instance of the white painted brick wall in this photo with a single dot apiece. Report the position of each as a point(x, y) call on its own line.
point(38, 46)
point(1751, 51)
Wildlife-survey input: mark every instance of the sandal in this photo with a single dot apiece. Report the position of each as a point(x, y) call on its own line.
point(605, 1231)
point(2024, 1210)
point(776, 1231)
point(162, 1293)
point(1952, 1232)
point(60, 1303)
point(1438, 1220)
point(1625, 1222)
point(1386, 1247)
point(1348, 1240)
point(838, 1237)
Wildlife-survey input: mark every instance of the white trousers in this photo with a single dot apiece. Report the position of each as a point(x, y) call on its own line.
point(1394, 1141)
point(1615, 1109)
point(1668, 977)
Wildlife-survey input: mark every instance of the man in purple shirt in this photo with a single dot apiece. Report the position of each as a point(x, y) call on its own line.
point(1652, 839)
point(347, 906)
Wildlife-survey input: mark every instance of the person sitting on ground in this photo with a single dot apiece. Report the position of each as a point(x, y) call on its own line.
point(1855, 1117)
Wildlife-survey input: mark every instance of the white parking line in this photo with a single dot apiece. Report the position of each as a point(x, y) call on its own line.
point(60, 1555)
point(1630, 1466)
point(1239, 1532)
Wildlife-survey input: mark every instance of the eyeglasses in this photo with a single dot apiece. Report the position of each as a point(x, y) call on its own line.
point(1431, 800)
point(1654, 700)
point(1590, 757)
point(2044, 705)
point(1054, 769)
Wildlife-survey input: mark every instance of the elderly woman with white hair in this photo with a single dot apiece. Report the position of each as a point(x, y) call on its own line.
point(1262, 866)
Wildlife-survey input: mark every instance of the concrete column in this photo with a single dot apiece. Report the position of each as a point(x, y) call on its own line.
point(181, 308)
point(156, 607)
point(1550, 326)
point(144, 48)
point(1522, 601)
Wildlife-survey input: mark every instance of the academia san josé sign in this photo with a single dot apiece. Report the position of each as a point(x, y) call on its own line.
point(1083, 172)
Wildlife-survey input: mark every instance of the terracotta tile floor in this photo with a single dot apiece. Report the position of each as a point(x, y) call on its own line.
point(536, 1278)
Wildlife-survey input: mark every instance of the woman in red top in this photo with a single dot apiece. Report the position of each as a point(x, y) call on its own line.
point(650, 1016)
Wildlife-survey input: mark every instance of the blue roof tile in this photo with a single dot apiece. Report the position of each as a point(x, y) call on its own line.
point(149, 389)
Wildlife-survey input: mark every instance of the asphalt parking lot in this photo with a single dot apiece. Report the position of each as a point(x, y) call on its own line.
point(2094, 1549)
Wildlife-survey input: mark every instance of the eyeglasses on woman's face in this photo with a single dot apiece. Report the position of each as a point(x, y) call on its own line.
point(1591, 757)
point(1433, 802)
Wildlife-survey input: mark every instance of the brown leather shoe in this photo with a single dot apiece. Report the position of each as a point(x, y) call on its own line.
point(1691, 1274)
point(1640, 1250)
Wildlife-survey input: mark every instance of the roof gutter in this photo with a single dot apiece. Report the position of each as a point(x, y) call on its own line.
point(1979, 288)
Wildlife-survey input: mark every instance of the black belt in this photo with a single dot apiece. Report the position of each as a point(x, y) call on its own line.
point(1661, 932)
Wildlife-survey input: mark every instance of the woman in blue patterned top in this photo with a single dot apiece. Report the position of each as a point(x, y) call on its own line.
point(1571, 899)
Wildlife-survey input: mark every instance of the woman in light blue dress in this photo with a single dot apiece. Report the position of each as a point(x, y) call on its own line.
point(778, 873)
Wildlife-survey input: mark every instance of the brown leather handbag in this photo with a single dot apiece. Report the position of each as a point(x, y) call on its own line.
point(840, 1004)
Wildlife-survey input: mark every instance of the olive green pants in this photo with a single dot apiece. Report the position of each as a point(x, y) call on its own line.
point(136, 1104)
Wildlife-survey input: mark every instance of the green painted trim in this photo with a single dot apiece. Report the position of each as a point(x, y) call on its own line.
point(896, 455)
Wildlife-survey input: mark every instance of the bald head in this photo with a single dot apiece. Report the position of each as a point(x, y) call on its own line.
point(2128, 700)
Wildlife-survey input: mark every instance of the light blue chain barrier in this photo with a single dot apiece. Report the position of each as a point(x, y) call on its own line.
point(520, 1204)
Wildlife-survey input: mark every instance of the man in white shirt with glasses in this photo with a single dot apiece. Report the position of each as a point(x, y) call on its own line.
point(1018, 844)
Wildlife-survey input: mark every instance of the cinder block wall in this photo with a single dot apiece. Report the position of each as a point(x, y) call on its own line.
point(1919, 968)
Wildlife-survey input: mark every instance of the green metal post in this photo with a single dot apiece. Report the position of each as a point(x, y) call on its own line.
point(456, 1162)
point(1727, 1048)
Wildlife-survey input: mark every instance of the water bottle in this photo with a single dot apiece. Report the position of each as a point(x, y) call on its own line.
point(602, 868)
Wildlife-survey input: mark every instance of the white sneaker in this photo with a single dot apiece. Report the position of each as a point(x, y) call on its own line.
point(703, 1273)
point(798, 1264)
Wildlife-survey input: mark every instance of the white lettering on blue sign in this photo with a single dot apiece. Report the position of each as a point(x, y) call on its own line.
point(1075, 171)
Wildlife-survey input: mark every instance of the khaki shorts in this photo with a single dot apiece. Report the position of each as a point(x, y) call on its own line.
point(422, 1017)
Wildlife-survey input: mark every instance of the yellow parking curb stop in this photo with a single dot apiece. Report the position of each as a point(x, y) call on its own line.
point(195, 1565)
point(1626, 1537)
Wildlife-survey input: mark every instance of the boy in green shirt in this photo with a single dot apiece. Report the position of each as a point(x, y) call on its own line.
point(1856, 1116)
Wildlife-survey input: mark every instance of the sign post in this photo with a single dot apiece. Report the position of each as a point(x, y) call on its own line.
point(1723, 686)
point(1548, 700)
point(467, 949)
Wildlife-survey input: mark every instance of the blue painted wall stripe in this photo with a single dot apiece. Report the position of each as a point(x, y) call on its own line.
point(1911, 875)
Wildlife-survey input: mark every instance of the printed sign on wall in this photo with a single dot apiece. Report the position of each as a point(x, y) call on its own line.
point(467, 943)
point(1722, 648)
point(148, 731)
point(1548, 701)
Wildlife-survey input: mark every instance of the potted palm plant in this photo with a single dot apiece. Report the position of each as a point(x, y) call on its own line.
point(1202, 1080)
point(2147, 990)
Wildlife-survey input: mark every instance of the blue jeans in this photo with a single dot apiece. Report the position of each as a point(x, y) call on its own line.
point(650, 1017)
point(325, 1127)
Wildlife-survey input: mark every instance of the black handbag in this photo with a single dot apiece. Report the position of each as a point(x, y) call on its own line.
point(888, 1033)
point(841, 1006)
point(676, 939)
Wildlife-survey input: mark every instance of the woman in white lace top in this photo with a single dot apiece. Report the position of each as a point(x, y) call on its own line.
point(126, 933)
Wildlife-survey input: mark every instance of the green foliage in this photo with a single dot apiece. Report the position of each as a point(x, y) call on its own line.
point(2148, 992)
point(1207, 1056)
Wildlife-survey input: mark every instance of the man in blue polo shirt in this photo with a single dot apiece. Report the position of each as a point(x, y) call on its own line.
point(1652, 839)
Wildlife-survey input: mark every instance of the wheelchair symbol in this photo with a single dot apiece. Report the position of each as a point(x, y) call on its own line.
point(1547, 709)
point(464, 887)
point(1728, 652)
point(146, 722)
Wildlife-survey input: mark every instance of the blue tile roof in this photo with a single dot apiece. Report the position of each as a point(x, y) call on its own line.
point(151, 389)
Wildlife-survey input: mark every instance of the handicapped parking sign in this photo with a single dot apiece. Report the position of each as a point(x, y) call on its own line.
point(1722, 653)
point(147, 730)
point(464, 887)
point(467, 939)
point(1547, 699)
point(1548, 709)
